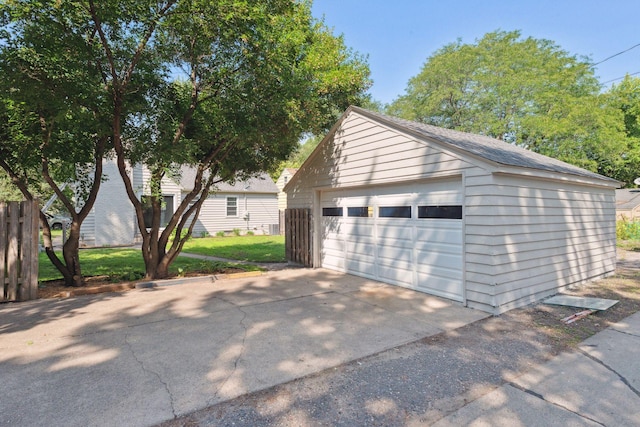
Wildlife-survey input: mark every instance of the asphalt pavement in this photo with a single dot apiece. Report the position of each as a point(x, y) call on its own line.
point(148, 355)
point(498, 371)
point(302, 348)
point(596, 385)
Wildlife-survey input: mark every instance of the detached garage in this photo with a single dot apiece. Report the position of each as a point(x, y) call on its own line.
point(458, 215)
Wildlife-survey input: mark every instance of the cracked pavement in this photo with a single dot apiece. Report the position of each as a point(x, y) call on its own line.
point(141, 357)
point(497, 371)
point(598, 384)
point(303, 348)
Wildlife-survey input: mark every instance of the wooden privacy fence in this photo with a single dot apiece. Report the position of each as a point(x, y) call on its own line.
point(19, 228)
point(298, 236)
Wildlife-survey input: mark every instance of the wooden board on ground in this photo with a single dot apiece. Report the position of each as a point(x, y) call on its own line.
point(582, 302)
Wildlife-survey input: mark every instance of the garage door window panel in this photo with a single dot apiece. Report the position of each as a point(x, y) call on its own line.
point(332, 211)
point(360, 212)
point(440, 212)
point(394, 212)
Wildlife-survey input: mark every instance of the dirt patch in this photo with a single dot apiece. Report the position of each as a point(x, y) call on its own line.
point(624, 287)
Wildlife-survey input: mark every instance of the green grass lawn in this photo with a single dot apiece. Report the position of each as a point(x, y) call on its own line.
point(127, 264)
point(241, 248)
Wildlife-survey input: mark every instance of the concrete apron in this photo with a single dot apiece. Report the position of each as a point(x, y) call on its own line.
point(144, 356)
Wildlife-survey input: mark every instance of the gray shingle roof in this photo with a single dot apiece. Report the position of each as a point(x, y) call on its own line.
point(485, 147)
point(258, 184)
point(627, 198)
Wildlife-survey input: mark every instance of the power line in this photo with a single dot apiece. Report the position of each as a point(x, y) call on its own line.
point(616, 54)
point(620, 78)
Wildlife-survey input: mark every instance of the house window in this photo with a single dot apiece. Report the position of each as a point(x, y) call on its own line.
point(331, 211)
point(362, 212)
point(166, 210)
point(446, 212)
point(395, 212)
point(232, 206)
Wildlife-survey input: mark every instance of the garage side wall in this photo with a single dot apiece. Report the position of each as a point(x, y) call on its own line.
point(549, 235)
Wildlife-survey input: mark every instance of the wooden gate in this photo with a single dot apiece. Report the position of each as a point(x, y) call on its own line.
point(298, 226)
point(19, 230)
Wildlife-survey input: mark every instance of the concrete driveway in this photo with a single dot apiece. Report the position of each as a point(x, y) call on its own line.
point(148, 355)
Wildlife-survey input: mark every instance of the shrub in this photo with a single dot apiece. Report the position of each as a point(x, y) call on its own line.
point(627, 230)
point(220, 233)
point(250, 233)
point(236, 231)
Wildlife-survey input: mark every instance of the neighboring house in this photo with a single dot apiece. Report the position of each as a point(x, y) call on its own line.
point(628, 203)
point(283, 179)
point(248, 206)
point(462, 216)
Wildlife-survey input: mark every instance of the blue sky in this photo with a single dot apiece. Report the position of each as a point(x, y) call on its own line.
point(399, 35)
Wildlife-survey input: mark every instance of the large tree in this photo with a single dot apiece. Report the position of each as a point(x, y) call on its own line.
point(625, 97)
point(50, 124)
point(524, 91)
point(223, 87)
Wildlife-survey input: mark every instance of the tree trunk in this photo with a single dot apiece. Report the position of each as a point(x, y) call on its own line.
point(70, 253)
point(48, 249)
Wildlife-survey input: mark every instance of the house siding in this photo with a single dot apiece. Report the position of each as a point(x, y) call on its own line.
point(283, 179)
point(377, 155)
point(528, 238)
point(262, 209)
point(110, 221)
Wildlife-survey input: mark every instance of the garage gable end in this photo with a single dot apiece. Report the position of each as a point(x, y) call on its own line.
point(360, 151)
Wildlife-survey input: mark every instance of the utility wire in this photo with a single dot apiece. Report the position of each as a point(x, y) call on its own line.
point(620, 78)
point(616, 54)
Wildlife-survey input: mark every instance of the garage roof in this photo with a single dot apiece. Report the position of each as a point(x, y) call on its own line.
point(484, 147)
point(627, 198)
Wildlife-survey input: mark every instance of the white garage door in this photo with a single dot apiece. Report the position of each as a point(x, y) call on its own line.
point(408, 235)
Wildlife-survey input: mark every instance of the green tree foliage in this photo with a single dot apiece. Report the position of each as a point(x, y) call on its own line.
point(8, 191)
point(524, 91)
point(50, 126)
point(625, 97)
point(226, 87)
point(309, 143)
point(299, 155)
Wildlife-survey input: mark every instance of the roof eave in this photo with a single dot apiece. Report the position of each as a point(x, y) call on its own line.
point(557, 176)
point(496, 167)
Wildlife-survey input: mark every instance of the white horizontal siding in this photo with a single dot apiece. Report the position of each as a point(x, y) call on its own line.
point(111, 221)
point(283, 179)
point(363, 153)
point(528, 238)
point(262, 209)
point(88, 230)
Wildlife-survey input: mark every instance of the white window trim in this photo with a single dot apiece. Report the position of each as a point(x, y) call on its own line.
point(226, 206)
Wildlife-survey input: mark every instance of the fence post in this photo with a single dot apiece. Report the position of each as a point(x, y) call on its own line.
point(4, 232)
point(19, 228)
point(29, 253)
